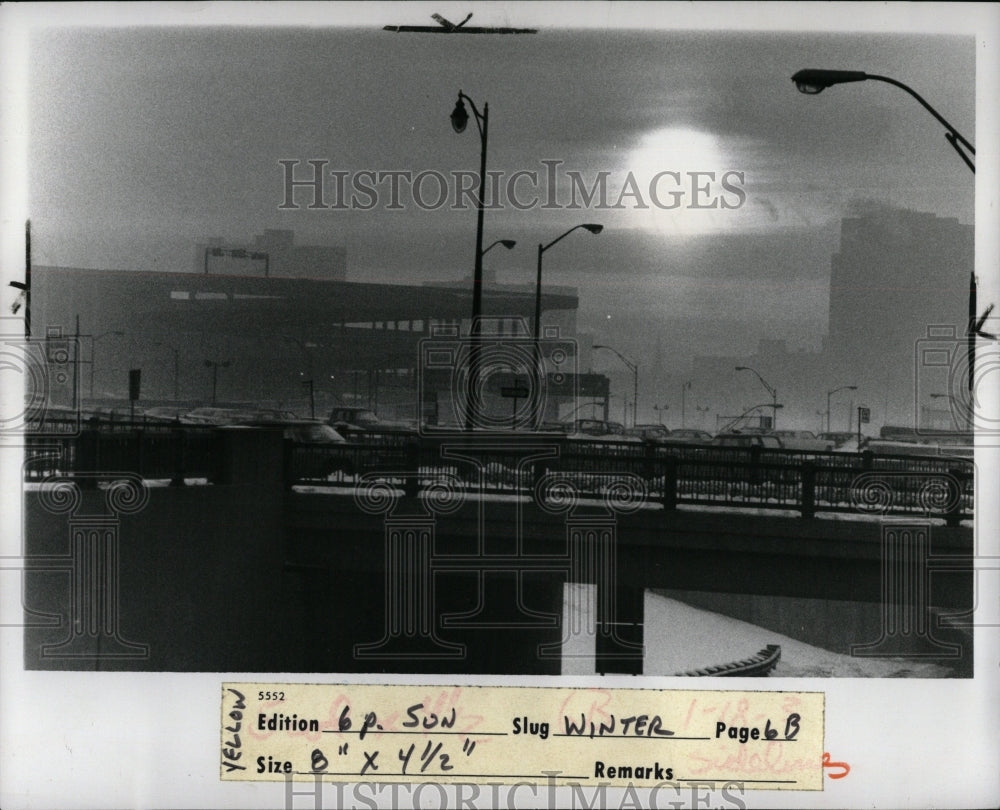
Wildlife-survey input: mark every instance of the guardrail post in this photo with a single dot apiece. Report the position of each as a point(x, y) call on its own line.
point(956, 481)
point(755, 476)
point(138, 437)
point(412, 486)
point(538, 471)
point(87, 456)
point(670, 483)
point(808, 505)
point(288, 463)
point(649, 460)
point(178, 437)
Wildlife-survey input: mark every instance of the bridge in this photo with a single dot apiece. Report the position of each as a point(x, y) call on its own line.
point(444, 554)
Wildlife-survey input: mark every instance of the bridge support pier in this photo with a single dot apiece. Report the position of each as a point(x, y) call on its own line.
point(907, 619)
point(620, 631)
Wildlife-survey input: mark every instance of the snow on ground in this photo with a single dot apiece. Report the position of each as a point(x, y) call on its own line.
point(679, 638)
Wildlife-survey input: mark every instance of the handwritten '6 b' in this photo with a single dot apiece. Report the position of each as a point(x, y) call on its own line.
point(745, 733)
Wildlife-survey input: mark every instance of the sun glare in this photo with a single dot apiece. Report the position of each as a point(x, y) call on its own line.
point(676, 149)
point(686, 181)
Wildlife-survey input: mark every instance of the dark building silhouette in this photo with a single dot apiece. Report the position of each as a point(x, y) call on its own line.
point(897, 275)
point(359, 342)
point(899, 284)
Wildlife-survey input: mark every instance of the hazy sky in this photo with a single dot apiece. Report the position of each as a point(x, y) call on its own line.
point(143, 140)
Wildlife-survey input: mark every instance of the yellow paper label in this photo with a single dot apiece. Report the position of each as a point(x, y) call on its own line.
point(617, 737)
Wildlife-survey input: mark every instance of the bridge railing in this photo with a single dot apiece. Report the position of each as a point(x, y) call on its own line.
point(802, 481)
point(154, 451)
point(671, 475)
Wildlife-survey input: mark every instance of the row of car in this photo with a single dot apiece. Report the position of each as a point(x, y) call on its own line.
point(345, 423)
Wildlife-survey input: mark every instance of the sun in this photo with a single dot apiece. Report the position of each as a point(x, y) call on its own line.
point(678, 149)
point(679, 172)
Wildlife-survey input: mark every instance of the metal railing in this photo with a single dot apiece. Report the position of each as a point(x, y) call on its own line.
point(669, 475)
point(151, 450)
point(801, 481)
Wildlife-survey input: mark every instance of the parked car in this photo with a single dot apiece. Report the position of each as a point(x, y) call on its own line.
point(649, 433)
point(762, 440)
point(353, 418)
point(590, 427)
point(235, 416)
point(689, 436)
point(803, 440)
point(312, 432)
point(839, 437)
point(887, 447)
point(599, 430)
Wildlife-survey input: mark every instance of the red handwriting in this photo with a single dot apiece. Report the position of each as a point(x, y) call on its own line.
point(577, 702)
point(774, 759)
point(828, 764)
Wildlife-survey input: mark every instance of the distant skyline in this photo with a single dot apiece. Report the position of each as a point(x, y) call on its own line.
point(144, 140)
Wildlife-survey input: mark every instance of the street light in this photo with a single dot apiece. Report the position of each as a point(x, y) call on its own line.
point(93, 346)
point(215, 365)
point(507, 243)
point(813, 81)
point(594, 229)
point(635, 376)
point(830, 394)
point(771, 390)
point(176, 365)
point(459, 121)
point(729, 425)
point(684, 389)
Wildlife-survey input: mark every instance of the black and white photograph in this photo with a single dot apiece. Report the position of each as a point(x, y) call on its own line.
point(631, 345)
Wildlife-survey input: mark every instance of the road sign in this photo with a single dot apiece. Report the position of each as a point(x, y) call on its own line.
point(134, 377)
point(864, 415)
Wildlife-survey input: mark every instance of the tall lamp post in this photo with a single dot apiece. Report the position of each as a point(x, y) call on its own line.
point(770, 389)
point(829, 394)
point(812, 81)
point(589, 226)
point(215, 365)
point(309, 381)
point(459, 121)
point(684, 390)
point(634, 368)
point(93, 346)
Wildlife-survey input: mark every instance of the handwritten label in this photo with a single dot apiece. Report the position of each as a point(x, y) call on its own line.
point(642, 737)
